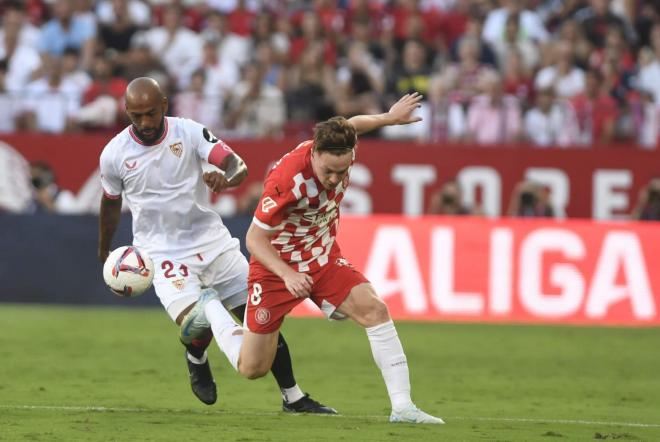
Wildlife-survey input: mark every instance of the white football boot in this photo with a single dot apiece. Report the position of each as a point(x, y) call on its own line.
point(414, 415)
point(195, 322)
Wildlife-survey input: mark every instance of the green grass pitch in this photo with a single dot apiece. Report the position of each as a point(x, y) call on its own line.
point(94, 374)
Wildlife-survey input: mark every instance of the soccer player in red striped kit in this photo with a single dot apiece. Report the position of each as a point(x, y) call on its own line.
point(295, 256)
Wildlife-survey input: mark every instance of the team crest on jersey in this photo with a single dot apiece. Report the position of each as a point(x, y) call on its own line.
point(262, 315)
point(267, 204)
point(130, 166)
point(179, 284)
point(177, 148)
point(343, 262)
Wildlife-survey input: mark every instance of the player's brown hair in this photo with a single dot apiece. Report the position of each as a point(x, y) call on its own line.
point(335, 135)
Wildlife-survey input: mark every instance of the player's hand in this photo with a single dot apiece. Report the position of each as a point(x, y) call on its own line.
point(401, 111)
point(103, 255)
point(215, 181)
point(298, 284)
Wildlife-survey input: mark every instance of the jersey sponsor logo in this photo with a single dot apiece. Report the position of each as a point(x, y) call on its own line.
point(177, 148)
point(262, 315)
point(267, 204)
point(208, 136)
point(130, 166)
point(343, 262)
point(179, 284)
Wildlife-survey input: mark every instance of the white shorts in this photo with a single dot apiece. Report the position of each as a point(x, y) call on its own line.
point(178, 285)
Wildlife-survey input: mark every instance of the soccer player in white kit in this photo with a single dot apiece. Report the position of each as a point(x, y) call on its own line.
point(156, 164)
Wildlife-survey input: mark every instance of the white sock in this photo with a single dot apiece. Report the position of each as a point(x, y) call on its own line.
point(388, 354)
point(227, 333)
point(194, 360)
point(290, 395)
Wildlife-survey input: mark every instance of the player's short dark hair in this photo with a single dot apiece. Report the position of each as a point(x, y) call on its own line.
point(336, 135)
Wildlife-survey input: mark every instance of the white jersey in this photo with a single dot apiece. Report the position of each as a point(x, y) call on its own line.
point(162, 184)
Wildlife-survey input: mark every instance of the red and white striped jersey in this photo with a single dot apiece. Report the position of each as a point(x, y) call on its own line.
point(304, 215)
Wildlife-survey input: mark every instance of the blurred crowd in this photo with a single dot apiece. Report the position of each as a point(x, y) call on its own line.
point(546, 72)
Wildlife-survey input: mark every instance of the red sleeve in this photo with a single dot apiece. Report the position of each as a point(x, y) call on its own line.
point(275, 202)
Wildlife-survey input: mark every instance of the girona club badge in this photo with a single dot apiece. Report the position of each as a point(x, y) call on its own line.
point(262, 315)
point(177, 149)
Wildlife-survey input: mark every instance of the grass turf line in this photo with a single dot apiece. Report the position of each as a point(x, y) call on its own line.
point(499, 382)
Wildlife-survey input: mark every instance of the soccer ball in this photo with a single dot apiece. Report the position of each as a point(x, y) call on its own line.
point(128, 272)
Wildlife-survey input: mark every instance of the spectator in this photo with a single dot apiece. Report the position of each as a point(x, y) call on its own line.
point(256, 109)
point(220, 75)
point(310, 87)
point(474, 32)
point(14, 21)
point(274, 72)
point(193, 13)
point(232, 47)
point(530, 200)
point(531, 26)
point(116, 33)
point(649, 66)
point(513, 42)
point(551, 122)
point(179, 48)
point(648, 204)
point(645, 119)
point(8, 103)
point(466, 73)
point(199, 106)
point(72, 71)
point(359, 80)
point(67, 30)
point(570, 31)
point(596, 112)
point(21, 58)
point(141, 62)
point(413, 75)
point(518, 80)
point(564, 76)
point(110, 12)
point(447, 116)
point(103, 99)
point(448, 200)
point(494, 117)
point(312, 34)
point(265, 32)
point(48, 197)
point(50, 102)
point(597, 18)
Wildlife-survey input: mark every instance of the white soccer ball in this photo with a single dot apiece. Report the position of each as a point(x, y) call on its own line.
point(128, 272)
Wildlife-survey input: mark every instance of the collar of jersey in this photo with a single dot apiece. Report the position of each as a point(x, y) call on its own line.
point(158, 141)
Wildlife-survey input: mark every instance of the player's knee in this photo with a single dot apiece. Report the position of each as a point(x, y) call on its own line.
point(253, 371)
point(377, 313)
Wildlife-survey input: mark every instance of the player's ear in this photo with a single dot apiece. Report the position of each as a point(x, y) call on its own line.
point(166, 105)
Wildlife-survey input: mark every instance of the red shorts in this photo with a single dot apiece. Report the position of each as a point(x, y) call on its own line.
point(269, 300)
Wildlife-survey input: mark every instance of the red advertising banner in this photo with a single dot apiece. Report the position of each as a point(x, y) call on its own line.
point(399, 177)
point(474, 269)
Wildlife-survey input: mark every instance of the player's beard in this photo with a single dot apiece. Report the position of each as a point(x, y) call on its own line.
point(156, 135)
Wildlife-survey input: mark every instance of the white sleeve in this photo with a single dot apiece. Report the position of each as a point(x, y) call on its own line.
point(110, 179)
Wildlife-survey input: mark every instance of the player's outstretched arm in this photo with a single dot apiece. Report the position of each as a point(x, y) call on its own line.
point(108, 222)
point(399, 113)
point(235, 172)
point(259, 246)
